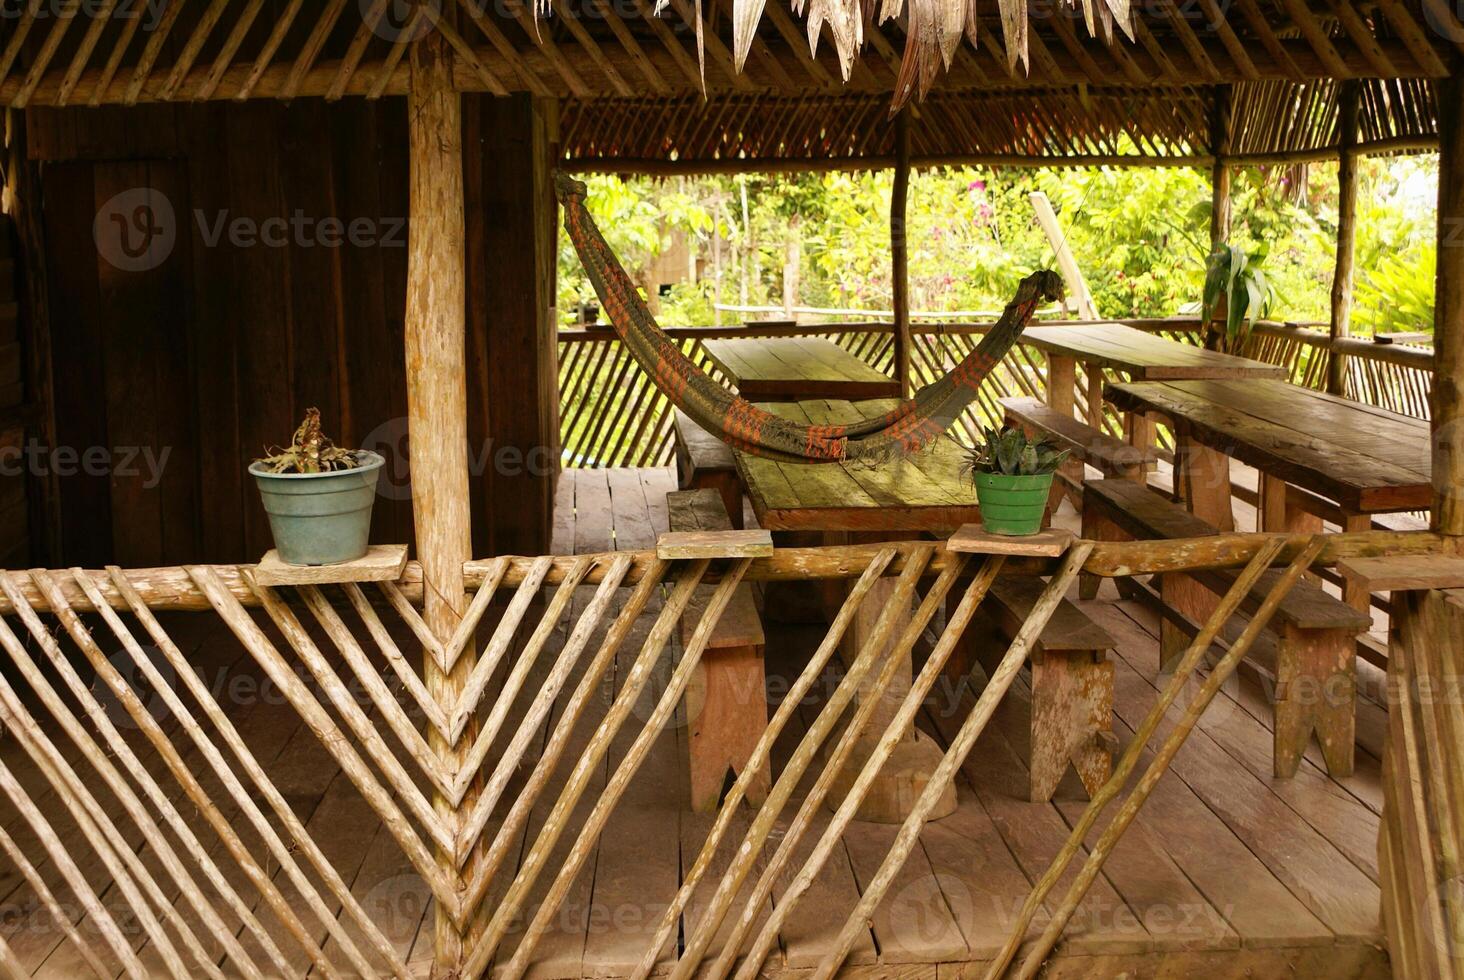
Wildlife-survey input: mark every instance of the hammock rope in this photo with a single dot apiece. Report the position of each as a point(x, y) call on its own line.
point(907, 428)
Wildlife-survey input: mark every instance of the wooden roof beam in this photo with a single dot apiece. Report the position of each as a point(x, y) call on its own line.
point(276, 81)
point(85, 48)
point(230, 48)
point(142, 71)
point(478, 13)
point(271, 46)
point(196, 40)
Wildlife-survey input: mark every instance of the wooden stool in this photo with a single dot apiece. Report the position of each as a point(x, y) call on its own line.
point(1311, 651)
point(726, 698)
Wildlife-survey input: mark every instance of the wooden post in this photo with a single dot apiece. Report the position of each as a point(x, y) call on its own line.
point(437, 404)
point(1220, 170)
point(1350, 99)
point(1448, 387)
point(899, 256)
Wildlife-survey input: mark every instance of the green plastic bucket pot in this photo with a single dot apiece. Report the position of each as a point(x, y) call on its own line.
point(320, 518)
point(1012, 504)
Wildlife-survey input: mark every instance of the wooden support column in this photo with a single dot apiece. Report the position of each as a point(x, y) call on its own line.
point(899, 255)
point(436, 390)
point(1448, 388)
point(1350, 100)
point(1220, 170)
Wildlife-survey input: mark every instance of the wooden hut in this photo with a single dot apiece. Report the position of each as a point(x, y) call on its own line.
point(221, 212)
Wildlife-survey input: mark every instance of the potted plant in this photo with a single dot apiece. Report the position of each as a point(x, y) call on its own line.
point(1236, 294)
point(1013, 477)
point(318, 496)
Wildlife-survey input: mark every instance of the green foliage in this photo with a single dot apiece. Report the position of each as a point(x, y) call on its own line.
point(1236, 277)
point(1010, 453)
point(1141, 236)
point(1397, 294)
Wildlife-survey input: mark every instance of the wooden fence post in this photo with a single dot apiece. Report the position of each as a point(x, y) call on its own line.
point(899, 254)
point(437, 392)
point(1220, 169)
point(1350, 99)
point(1448, 385)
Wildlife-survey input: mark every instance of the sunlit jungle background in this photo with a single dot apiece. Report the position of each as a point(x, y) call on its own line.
point(815, 247)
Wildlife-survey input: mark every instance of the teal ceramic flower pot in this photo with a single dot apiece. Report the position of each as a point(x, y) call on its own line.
point(320, 518)
point(1012, 505)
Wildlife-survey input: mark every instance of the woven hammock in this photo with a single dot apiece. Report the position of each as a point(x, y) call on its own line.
point(907, 428)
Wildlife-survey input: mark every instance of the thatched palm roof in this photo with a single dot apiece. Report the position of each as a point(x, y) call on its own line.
point(1086, 79)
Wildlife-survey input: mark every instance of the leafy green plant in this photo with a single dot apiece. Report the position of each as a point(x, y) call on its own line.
point(1235, 276)
point(1010, 453)
point(1396, 295)
point(311, 451)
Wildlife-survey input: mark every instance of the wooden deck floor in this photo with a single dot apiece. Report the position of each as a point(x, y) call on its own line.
point(1226, 872)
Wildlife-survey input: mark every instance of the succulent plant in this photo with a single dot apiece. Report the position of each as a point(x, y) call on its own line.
point(1010, 453)
point(311, 451)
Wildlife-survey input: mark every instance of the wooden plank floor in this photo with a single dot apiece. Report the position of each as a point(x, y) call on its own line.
point(1226, 871)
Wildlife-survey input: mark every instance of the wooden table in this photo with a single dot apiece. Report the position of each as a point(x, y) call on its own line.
point(1139, 356)
point(862, 503)
point(1359, 459)
point(790, 368)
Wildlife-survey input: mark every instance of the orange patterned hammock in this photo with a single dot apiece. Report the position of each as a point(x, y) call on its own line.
point(905, 429)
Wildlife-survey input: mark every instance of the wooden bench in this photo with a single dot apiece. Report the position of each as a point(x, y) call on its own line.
point(1313, 656)
point(1071, 682)
point(726, 699)
point(704, 462)
point(1111, 456)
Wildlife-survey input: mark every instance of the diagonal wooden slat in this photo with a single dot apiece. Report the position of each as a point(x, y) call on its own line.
point(303, 841)
point(528, 795)
point(803, 756)
point(579, 779)
point(339, 695)
point(405, 672)
point(325, 730)
point(80, 888)
point(614, 789)
point(509, 690)
point(762, 753)
point(501, 642)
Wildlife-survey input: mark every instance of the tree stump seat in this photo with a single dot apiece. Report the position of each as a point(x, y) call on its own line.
point(726, 698)
point(1311, 648)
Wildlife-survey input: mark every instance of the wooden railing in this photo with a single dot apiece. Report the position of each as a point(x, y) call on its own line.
point(611, 415)
point(203, 863)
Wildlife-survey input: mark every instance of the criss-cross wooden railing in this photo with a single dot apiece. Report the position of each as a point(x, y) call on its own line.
point(149, 818)
point(612, 415)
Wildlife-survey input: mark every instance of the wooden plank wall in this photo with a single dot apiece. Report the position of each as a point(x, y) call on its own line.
point(14, 517)
point(283, 286)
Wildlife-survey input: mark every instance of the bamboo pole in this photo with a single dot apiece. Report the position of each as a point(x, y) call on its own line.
point(1160, 763)
point(899, 253)
point(893, 734)
point(1448, 387)
point(1110, 790)
point(1341, 323)
point(171, 588)
point(759, 757)
point(536, 859)
point(767, 815)
point(437, 399)
point(975, 723)
point(610, 796)
point(1220, 123)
